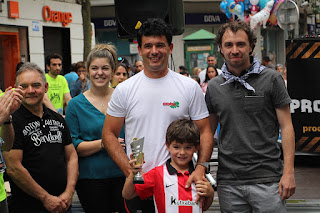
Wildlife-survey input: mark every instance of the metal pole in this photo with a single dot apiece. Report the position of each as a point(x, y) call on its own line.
point(286, 21)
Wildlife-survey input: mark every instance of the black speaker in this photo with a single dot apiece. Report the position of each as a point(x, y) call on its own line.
point(130, 13)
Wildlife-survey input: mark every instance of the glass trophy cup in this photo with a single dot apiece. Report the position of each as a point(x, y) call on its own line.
point(136, 148)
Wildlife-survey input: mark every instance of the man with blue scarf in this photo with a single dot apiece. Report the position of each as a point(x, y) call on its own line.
point(251, 102)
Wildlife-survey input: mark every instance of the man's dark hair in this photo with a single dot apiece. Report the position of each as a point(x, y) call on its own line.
point(154, 27)
point(183, 72)
point(51, 56)
point(266, 58)
point(73, 67)
point(19, 65)
point(183, 68)
point(235, 26)
point(183, 131)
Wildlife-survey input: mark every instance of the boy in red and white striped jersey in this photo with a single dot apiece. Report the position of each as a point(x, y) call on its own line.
point(167, 183)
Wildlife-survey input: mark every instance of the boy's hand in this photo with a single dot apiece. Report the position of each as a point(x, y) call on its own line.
point(204, 188)
point(133, 166)
point(196, 175)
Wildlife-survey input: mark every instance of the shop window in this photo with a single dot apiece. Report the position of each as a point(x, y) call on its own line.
point(9, 58)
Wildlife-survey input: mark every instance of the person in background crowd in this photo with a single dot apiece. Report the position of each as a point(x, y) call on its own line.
point(10, 101)
point(196, 78)
point(100, 180)
point(250, 101)
point(139, 66)
point(123, 60)
point(196, 71)
point(19, 65)
point(154, 96)
point(284, 76)
point(211, 73)
point(183, 69)
point(58, 91)
point(121, 74)
point(279, 68)
point(72, 75)
point(42, 163)
point(82, 84)
point(266, 61)
point(211, 60)
point(185, 73)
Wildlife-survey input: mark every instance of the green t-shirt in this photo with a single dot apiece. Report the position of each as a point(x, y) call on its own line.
point(3, 194)
point(57, 88)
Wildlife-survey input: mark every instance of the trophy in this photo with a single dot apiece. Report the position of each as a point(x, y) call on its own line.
point(137, 147)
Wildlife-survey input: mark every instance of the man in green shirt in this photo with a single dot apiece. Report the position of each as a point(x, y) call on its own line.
point(58, 92)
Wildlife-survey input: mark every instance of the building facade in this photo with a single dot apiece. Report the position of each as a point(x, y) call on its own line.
point(32, 29)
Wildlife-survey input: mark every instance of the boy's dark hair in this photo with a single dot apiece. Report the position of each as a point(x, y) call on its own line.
point(51, 56)
point(183, 131)
point(154, 27)
point(235, 26)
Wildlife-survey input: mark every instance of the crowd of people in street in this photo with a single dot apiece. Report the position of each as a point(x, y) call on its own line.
point(73, 133)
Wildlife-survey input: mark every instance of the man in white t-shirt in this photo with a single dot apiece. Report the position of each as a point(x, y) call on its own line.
point(211, 60)
point(150, 100)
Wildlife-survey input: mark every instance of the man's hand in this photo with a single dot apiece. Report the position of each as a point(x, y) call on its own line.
point(54, 204)
point(10, 102)
point(287, 186)
point(18, 96)
point(66, 198)
point(197, 175)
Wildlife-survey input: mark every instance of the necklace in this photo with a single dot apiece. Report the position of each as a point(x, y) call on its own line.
point(97, 98)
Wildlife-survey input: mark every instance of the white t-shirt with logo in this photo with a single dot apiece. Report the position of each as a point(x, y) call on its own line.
point(150, 105)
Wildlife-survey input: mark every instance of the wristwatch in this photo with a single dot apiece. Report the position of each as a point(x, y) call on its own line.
point(205, 165)
point(9, 121)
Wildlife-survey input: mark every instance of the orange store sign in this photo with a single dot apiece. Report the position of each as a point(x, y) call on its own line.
point(13, 9)
point(56, 16)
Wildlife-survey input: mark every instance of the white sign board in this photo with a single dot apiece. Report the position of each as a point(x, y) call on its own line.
point(134, 49)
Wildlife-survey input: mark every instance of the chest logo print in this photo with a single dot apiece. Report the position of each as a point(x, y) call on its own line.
point(172, 105)
point(168, 185)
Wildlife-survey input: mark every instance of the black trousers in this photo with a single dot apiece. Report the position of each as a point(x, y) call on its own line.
point(147, 206)
point(102, 195)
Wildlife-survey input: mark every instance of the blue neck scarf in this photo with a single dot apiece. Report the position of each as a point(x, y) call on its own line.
point(256, 68)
